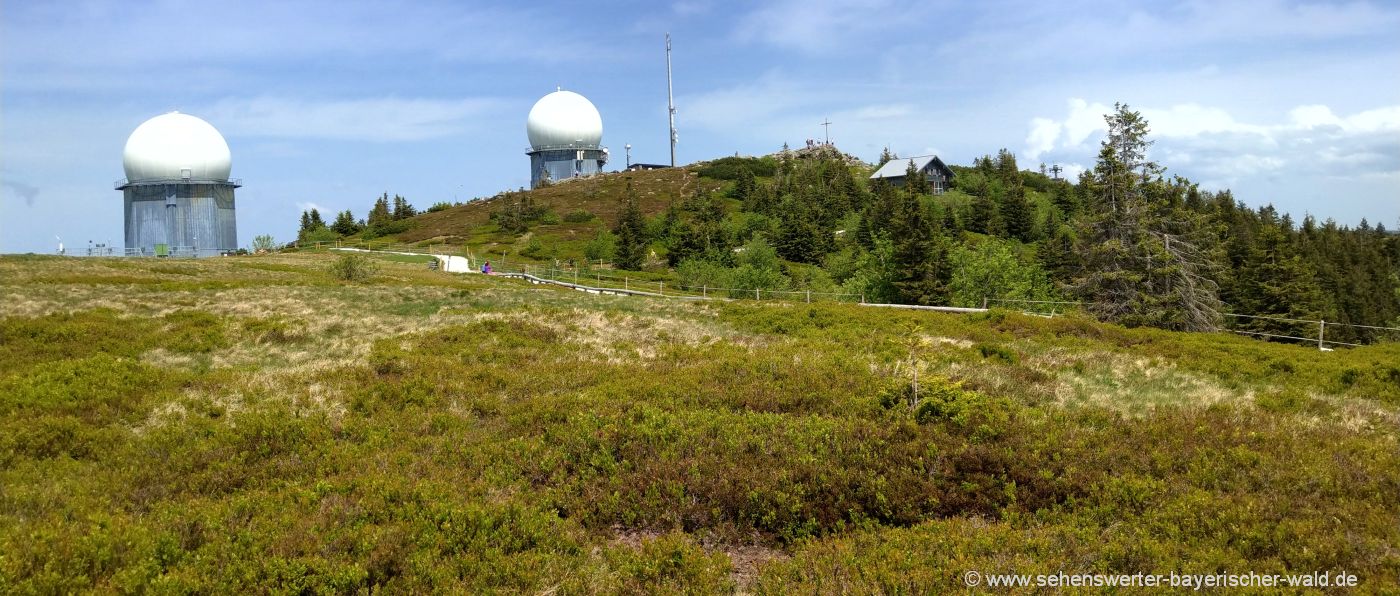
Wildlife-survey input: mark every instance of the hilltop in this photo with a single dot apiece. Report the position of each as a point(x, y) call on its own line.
point(249, 424)
point(600, 196)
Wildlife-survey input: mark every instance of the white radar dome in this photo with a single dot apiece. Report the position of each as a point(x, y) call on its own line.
point(564, 118)
point(176, 146)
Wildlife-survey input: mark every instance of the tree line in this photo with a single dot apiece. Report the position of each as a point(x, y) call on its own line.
point(1135, 245)
point(387, 216)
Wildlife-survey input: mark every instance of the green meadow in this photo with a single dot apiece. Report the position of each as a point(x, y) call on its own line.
point(250, 424)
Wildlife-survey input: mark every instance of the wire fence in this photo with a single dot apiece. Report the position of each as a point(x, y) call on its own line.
point(596, 279)
point(1291, 329)
point(591, 278)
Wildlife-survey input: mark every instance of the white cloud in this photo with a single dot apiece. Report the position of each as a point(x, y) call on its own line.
point(322, 209)
point(374, 119)
point(1071, 171)
point(1190, 119)
point(1044, 133)
point(1084, 119)
point(1209, 143)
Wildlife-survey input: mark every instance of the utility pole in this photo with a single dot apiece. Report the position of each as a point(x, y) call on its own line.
point(670, 100)
point(826, 123)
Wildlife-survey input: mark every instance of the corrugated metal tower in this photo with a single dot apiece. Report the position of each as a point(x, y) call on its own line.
point(565, 132)
point(177, 193)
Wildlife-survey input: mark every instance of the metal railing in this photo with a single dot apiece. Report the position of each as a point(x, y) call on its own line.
point(123, 183)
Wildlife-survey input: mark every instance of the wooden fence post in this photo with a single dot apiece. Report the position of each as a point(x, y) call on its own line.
point(1321, 329)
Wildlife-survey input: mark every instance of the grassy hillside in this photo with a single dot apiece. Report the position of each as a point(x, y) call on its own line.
point(599, 196)
point(249, 424)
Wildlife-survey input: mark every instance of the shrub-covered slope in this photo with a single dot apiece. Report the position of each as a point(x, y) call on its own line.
point(250, 424)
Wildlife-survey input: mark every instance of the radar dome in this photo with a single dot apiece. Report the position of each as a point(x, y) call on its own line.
point(564, 118)
point(176, 146)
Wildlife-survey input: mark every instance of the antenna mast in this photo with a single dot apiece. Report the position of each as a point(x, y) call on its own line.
point(670, 101)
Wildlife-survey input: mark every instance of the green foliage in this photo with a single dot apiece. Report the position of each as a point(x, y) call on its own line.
point(26, 342)
point(518, 211)
point(874, 273)
point(993, 269)
point(579, 216)
point(321, 234)
point(264, 243)
point(402, 208)
point(1147, 261)
point(670, 563)
point(353, 267)
point(345, 223)
point(756, 268)
point(631, 234)
point(536, 249)
point(732, 168)
point(441, 206)
point(379, 214)
point(602, 247)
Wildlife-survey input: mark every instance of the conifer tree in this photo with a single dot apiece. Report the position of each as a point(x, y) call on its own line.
point(886, 156)
point(631, 233)
point(800, 236)
point(744, 186)
point(345, 223)
point(1277, 282)
point(915, 181)
point(1143, 262)
point(878, 214)
point(920, 256)
point(379, 214)
point(983, 217)
point(402, 208)
point(1016, 215)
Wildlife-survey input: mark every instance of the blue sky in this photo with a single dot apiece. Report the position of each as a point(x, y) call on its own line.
point(331, 103)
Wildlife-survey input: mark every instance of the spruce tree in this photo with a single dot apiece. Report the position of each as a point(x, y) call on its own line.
point(915, 181)
point(1144, 263)
point(983, 217)
point(801, 237)
point(886, 156)
point(402, 209)
point(1277, 282)
point(920, 256)
point(379, 214)
point(631, 233)
point(744, 186)
point(1016, 215)
point(345, 223)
